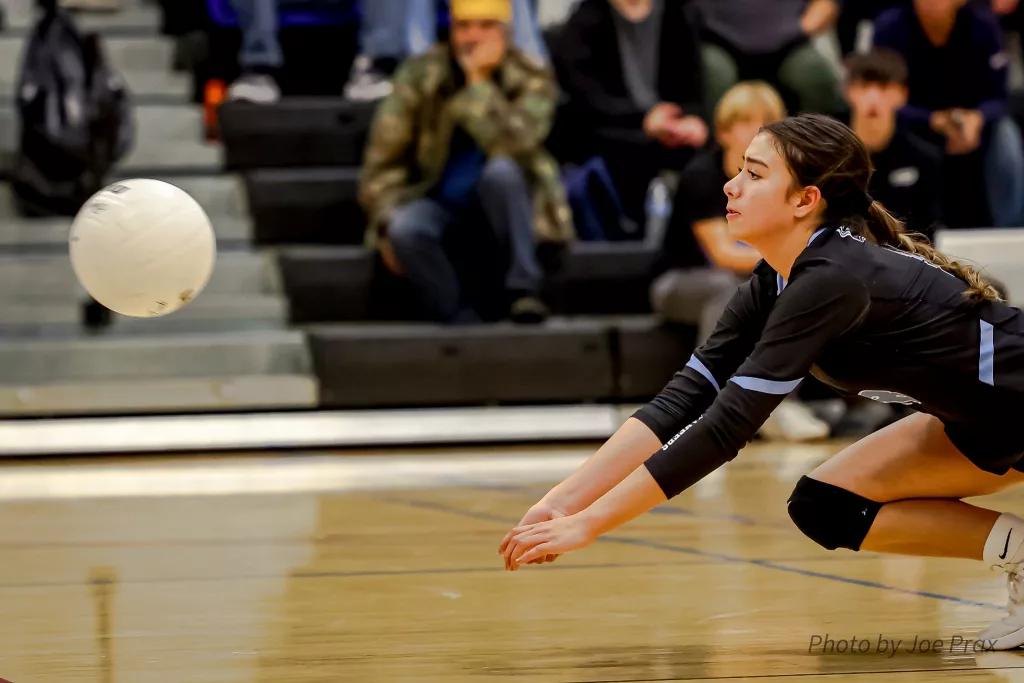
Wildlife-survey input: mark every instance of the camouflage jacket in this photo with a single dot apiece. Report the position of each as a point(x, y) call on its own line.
point(509, 116)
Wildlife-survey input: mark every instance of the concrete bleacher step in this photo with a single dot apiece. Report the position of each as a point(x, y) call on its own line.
point(110, 359)
point(51, 234)
point(143, 62)
point(48, 277)
point(295, 132)
point(133, 17)
point(208, 314)
point(306, 205)
point(169, 139)
point(166, 395)
point(221, 196)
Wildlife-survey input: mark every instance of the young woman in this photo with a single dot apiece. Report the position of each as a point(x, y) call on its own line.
point(844, 294)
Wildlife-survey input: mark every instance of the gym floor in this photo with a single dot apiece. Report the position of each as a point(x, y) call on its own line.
point(383, 566)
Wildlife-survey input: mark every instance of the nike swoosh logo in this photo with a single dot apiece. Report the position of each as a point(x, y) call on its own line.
point(1006, 545)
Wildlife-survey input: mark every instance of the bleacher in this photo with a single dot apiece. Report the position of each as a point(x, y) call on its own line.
point(299, 315)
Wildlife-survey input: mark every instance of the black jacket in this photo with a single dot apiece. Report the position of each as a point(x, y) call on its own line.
point(589, 66)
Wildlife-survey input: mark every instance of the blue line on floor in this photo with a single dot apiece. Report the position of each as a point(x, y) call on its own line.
point(656, 545)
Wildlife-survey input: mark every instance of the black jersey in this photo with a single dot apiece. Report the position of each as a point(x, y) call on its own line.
point(864, 319)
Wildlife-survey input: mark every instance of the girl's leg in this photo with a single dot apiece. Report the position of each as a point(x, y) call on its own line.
point(913, 468)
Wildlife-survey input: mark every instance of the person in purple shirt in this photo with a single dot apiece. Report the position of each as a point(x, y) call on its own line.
point(958, 91)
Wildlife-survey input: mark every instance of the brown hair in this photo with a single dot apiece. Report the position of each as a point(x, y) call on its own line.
point(881, 65)
point(822, 152)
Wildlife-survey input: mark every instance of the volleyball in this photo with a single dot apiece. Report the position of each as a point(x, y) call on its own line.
point(142, 248)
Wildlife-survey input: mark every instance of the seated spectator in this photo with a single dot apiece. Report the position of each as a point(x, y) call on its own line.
point(853, 14)
point(456, 169)
point(632, 73)
point(390, 31)
point(387, 36)
point(701, 266)
point(771, 41)
point(907, 178)
point(958, 95)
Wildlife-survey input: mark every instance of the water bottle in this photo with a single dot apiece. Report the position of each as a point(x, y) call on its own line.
point(659, 208)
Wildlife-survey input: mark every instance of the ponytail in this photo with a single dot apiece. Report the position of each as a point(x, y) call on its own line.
point(886, 229)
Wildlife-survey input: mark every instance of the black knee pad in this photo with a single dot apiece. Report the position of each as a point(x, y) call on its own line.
point(831, 516)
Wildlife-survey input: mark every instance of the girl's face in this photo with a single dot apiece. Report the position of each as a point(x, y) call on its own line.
point(762, 200)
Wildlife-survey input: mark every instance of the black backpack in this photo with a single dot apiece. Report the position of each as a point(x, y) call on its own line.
point(75, 115)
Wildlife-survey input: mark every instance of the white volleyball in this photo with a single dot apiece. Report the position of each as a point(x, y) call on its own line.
point(142, 248)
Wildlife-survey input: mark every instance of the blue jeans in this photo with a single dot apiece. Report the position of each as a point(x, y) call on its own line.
point(390, 28)
point(1004, 174)
point(428, 240)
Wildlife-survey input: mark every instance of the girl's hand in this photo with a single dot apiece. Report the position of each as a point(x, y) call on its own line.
point(554, 537)
point(541, 512)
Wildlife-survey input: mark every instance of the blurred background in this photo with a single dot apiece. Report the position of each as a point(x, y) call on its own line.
point(393, 237)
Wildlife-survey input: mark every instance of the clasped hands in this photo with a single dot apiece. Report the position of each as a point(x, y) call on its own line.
point(545, 533)
point(961, 128)
point(666, 123)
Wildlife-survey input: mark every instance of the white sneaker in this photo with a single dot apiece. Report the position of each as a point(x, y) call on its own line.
point(793, 421)
point(1008, 632)
point(256, 88)
point(366, 84)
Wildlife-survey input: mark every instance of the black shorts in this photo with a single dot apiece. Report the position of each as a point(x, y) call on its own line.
point(993, 449)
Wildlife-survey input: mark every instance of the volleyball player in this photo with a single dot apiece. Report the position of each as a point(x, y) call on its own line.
point(843, 294)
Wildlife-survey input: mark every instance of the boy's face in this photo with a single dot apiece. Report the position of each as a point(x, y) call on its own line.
point(878, 101)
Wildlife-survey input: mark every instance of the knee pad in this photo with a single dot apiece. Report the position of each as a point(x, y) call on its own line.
point(831, 516)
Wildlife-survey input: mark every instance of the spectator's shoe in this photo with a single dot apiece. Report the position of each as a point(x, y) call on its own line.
point(529, 310)
point(256, 88)
point(368, 82)
point(91, 5)
point(793, 421)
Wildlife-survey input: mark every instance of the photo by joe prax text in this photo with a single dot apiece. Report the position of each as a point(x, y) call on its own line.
point(890, 646)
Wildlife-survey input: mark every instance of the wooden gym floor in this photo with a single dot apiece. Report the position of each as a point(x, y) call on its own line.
point(383, 567)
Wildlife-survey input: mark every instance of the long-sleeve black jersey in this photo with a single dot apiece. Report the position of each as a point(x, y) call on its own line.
point(867, 320)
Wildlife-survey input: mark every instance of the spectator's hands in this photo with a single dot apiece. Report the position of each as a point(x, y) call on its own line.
point(819, 16)
point(689, 131)
point(942, 122)
point(961, 128)
point(479, 60)
point(387, 254)
point(1004, 7)
point(660, 118)
point(966, 126)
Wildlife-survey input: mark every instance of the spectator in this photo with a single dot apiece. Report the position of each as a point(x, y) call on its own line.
point(391, 31)
point(853, 14)
point(632, 73)
point(701, 266)
point(771, 41)
point(907, 170)
point(456, 160)
point(388, 35)
point(958, 91)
